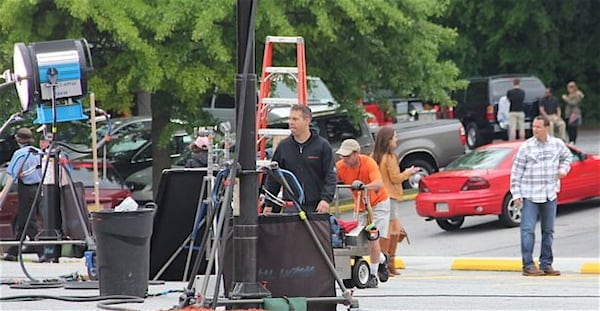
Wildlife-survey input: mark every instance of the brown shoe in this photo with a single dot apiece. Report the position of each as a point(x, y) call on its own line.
point(550, 271)
point(533, 271)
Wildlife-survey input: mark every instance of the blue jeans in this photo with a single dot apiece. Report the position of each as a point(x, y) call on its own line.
point(529, 215)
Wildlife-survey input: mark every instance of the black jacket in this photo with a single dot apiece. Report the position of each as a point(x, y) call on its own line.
point(197, 160)
point(313, 165)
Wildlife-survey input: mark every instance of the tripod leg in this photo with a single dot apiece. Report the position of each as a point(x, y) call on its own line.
point(197, 224)
point(191, 242)
point(88, 237)
point(170, 260)
point(222, 222)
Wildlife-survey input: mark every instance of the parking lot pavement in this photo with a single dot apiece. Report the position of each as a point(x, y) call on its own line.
point(427, 283)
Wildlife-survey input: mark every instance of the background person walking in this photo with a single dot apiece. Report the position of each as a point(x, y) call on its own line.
point(534, 183)
point(383, 154)
point(573, 110)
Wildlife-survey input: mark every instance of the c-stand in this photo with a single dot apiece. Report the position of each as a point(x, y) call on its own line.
point(204, 210)
point(52, 194)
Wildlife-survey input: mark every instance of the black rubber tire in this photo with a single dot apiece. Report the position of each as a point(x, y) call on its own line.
point(473, 136)
point(450, 224)
point(360, 272)
point(511, 215)
point(348, 283)
point(425, 169)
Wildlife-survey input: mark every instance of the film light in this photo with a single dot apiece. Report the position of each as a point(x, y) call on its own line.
point(52, 73)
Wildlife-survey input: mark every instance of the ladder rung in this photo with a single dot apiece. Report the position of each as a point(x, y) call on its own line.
point(274, 132)
point(278, 39)
point(282, 69)
point(280, 101)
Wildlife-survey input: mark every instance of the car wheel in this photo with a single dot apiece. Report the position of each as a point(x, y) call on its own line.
point(424, 169)
point(511, 214)
point(348, 283)
point(360, 272)
point(473, 139)
point(450, 224)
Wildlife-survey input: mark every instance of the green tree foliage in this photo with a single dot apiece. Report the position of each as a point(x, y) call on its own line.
point(555, 40)
point(187, 47)
point(180, 50)
point(377, 44)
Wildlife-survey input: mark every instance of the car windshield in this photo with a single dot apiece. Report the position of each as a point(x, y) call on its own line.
point(285, 87)
point(127, 144)
point(534, 89)
point(80, 132)
point(479, 159)
point(85, 174)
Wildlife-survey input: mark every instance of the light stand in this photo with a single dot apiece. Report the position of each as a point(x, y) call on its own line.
point(45, 72)
point(51, 193)
point(225, 128)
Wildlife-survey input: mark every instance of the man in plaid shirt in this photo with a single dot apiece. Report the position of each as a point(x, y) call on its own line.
point(534, 183)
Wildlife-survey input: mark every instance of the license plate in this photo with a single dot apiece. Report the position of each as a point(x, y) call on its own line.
point(441, 207)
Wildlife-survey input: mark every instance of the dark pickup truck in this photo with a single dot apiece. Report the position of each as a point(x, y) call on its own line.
point(427, 145)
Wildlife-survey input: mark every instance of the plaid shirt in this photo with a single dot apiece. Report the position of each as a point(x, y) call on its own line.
point(535, 169)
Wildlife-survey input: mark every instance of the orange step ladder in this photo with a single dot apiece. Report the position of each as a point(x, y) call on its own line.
point(265, 101)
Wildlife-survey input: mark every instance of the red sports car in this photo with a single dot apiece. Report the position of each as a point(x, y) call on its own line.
point(478, 183)
point(112, 192)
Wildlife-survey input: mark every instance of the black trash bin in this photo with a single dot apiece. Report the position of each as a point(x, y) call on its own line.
point(123, 251)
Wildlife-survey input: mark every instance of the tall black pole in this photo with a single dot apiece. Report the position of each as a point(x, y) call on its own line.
point(245, 230)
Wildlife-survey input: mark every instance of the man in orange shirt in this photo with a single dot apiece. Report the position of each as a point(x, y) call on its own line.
point(362, 172)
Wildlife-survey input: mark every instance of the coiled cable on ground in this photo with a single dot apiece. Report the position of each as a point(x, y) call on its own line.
point(108, 301)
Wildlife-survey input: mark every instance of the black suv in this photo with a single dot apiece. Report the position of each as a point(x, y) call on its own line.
point(477, 105)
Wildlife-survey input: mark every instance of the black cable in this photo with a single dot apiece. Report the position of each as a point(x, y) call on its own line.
point(52, 77)
point(31, 212)
point(108, 305)
point(67, 298)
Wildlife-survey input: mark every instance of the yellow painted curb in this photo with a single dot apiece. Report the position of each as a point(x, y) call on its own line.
point(398, 262)
point(590, 268)
point(487, 264)
point(407, 197)
point(348, 206)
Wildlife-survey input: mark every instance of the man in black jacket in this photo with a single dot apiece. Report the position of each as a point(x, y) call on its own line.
point(310, 158)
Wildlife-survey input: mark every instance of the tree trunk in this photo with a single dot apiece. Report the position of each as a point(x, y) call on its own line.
point(143, 102)
point(161, 114)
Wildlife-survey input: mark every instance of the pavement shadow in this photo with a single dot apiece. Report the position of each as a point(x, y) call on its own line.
point(577, 207)
point(491, 222)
